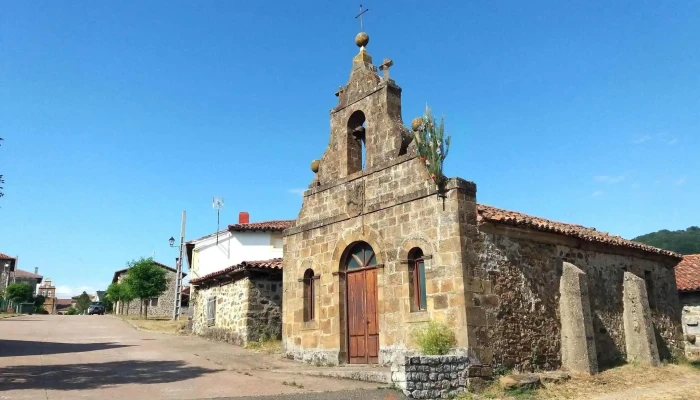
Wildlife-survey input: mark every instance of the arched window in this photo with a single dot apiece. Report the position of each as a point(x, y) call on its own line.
point(356, 142)
point(416, 276)
point(309, 295)
point(361, 256)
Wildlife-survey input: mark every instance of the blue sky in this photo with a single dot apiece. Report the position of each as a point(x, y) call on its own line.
point(118, 116)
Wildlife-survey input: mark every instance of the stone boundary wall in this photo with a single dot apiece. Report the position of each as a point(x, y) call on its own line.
point(437, 377)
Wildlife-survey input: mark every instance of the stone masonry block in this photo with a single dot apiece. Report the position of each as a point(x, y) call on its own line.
point(577, 338)
point(640, 340)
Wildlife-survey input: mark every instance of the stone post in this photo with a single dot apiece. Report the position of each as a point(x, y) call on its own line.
point(640, 340)
point(578, 352)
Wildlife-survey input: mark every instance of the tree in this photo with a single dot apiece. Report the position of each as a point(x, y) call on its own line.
point(681, 241)
point(83, 303)
point(19, 292)
point(146, 279)
point(39, 304)
point(120, 292)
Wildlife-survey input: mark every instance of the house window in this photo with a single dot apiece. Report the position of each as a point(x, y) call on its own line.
point(650, 289)
point(416, 277)
point(48, 293)
point(43, 293)
point(211, 311)
point(154, 302)
point(309, 295)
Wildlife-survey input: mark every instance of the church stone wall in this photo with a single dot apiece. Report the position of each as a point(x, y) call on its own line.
point(517, 286)
point(393, 208)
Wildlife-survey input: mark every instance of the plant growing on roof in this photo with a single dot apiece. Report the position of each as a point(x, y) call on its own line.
point(432, 146)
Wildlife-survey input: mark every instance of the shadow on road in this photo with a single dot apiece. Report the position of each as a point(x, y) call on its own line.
point(16, 348)
point(96, 375)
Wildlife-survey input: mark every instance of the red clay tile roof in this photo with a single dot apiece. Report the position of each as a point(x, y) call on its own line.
point(185, 290)
point(275, 263)
point(278, 225)
point(4, 256)
point(496, 215)
point(688, 273)
point(63, 302)
point(26, 274)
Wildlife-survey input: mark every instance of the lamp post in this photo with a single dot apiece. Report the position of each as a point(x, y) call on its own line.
point(5, 302)
point(178, 263)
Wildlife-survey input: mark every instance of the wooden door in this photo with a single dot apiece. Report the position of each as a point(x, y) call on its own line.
point(363, 321)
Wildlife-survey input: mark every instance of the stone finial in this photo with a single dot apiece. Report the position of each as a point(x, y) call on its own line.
point(362, 39)
point(314, 165)
point(416, 123)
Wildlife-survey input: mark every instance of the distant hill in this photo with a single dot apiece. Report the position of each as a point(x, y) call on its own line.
point(683, 242)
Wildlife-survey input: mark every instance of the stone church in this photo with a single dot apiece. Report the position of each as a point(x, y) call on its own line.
point(375, 253)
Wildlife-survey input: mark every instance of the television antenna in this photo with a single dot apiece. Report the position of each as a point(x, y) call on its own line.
point(217, 204)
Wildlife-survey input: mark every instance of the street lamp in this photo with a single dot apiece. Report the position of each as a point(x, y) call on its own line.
point(178, 263)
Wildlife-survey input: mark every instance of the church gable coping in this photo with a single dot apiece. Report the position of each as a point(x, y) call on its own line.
point(489, 214)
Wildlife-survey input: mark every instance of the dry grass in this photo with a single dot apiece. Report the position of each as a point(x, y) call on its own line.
point(624, 378)
point(630, 382)
point(156, 324)
point(266, 346)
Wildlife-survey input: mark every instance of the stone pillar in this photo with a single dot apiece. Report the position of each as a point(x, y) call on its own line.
point(640, 340)
point(578, 353)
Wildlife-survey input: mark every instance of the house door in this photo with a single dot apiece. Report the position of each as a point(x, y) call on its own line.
point(363, 322)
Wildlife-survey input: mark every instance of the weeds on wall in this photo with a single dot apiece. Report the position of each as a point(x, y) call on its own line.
point(432, 146)
point(435, 339)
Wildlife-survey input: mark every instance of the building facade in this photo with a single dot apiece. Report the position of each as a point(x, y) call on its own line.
point(236, 283)
point(48, 290)
point(378, 250)
point(161, 306)
point(7, 268)
point(688, 283)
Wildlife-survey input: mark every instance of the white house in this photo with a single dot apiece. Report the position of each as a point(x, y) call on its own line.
point(244, 241)
point(236, 281)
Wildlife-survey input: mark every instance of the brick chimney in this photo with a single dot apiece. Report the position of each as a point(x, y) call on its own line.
point(36, 270)
point(243, 217)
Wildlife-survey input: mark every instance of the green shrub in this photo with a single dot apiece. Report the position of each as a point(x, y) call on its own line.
point(435, 339)
point(71, 311)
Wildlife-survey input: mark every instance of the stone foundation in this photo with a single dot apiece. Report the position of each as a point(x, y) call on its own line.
point(438, 377)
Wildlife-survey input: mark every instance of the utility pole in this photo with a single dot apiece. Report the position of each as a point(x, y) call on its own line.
point(178, 278)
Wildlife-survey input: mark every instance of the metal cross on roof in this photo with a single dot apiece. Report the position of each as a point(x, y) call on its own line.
point(360, 15)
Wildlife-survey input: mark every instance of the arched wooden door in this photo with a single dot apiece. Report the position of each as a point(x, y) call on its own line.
point(363, 321)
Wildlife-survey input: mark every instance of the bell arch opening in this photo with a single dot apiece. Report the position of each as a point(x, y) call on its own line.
point(356, 142)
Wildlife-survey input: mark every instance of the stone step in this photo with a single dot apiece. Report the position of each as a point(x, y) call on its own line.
point(366, 374)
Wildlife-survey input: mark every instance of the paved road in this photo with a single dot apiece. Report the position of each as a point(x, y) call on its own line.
point(89, 357)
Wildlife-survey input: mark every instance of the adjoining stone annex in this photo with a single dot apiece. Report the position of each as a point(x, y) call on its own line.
point(239, 304)
point(688, 283)
point(377, 251)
